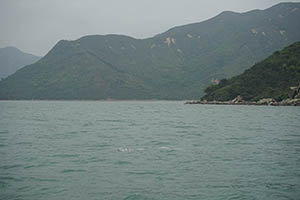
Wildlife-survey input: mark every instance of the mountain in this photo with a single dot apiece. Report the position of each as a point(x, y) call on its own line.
point(271, 78)
point(177, 64)
point(12, 59)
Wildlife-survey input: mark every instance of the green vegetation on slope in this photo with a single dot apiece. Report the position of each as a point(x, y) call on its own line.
point(177, 64)
point(271, 78)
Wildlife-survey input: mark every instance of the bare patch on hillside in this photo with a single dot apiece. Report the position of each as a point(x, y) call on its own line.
point(170, 41)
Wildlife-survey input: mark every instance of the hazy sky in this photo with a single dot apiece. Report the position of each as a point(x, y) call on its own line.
point(35, 26)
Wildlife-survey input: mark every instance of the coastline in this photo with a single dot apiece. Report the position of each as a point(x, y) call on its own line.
point(263, 102)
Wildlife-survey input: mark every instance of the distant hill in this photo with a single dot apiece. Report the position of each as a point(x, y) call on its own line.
point(271, 78)
point(177, 64)
point(12, 59)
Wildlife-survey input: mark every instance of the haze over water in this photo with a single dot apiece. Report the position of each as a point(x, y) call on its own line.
point(148, 150)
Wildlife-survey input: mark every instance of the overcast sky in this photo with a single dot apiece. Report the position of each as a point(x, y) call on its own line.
point(35, 26)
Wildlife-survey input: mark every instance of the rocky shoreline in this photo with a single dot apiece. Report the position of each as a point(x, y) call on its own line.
point(239, 101)
point(293, 100)
point(286, 102)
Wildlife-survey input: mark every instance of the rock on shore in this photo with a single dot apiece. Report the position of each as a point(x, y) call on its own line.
point(262, 102)
point(294, 100)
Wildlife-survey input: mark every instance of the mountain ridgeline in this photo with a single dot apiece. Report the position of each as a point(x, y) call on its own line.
point(12, 59)
point(271, 78)
point(177, 64)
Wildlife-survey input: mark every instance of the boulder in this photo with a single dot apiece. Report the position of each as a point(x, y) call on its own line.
point(237, 99)
point(290, 102)
point(295, 102)
point(266, 101)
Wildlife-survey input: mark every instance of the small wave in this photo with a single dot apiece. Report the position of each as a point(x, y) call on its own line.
point(134, 124)
point(24, 143)
point(39, 120)
point(109, 120)
point(123, 162)
point(95, 159)
point(197, 145)
point(163, 148)
point(159, 143)
point(44, 189)
point(102, 145)
point(166, 148)
point(38, 165)
point(4, 132)
point(88, 124)
point(125, 150)
point(137, 197)
point(72, 170)
point(182, 131)
point(97, 147)
point(42, 179)
point(185, 127)
point(9, 166)
point(115, 128)
point(71, 132)
point(29, 166)
point(196, 134)
point(10, 178)
point(147, 172)
point(66, 155)
point(3, 184)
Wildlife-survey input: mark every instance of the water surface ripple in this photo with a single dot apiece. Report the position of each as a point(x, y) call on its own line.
point(148, 150)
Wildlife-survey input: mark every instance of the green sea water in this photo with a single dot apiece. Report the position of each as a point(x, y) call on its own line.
point(164, 150)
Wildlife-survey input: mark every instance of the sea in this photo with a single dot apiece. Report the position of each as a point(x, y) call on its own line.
point(148, 150)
